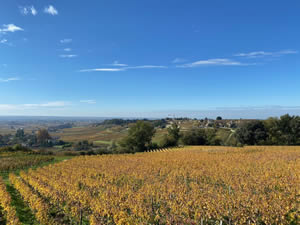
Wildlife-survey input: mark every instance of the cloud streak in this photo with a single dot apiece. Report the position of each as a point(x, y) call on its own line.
point(3, 41)
point(66, 41)
point(88, 101)
point(116, 63)
point(68, 56)
point(259, 54)
point(147, 67)
point(51, 10)
point(10, 28)
point(102, 70)
point(9, 79)
point(55, 104)
point(123, 68)
point(213, 62)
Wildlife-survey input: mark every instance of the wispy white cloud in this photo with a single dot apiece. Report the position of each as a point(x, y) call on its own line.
point(55, 104)
point(10, 28)
point(3, 41)
point(179, 60)
point(122, 68)
point(258, 54)
point(51, 10)
point(66, 41)
point(48, 105)
point(88, 101)
point(213, 62)
point(102, 70)
point(67, 49)
point(68, 56)
point(5, 80)
point(116, 63)
point(28, 10)
point(147, 67)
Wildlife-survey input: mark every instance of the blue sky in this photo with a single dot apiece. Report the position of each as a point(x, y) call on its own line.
point(149, 58)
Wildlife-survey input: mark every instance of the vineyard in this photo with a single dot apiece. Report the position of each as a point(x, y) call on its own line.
point(191, 185)
point(11, 162)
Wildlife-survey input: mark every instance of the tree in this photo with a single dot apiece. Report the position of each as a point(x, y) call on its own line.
point(211, 137)
point(2, 142)
point(83, 145)
point(283, 131)
point(252, 133)
point(194, 137)
point(173, 136)
point(274, 135)
point(219, 118)
point(20, 134)
point(139, 137)
point(43, 138)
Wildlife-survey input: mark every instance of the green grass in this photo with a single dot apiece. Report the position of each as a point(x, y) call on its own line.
point(24, 213)
point(102, 142)
point(58, 146)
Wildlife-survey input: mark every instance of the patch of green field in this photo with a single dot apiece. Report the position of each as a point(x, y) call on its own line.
point(92, 134)
point(102, 142)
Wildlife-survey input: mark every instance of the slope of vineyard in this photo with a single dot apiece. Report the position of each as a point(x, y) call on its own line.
point(192, 185)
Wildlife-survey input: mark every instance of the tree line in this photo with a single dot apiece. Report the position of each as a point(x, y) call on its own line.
point(272, 131)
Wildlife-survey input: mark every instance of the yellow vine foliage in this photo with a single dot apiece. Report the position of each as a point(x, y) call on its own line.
point(39, 207)
point(6, 204)
point(251, 185)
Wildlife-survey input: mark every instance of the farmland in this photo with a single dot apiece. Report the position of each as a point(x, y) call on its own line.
point(191, 185)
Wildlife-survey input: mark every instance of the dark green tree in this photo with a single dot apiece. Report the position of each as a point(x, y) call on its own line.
point(252, 133)
point(171, 139)
point(139, 138)
point(283, 131)
point(83, 145)
point(194, 137)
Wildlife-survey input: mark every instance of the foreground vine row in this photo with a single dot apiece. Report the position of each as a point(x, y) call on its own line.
point(6, 204)
point(253, 185)
point(39, 207)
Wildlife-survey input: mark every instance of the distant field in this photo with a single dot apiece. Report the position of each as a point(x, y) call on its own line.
point(100, 133)
point(215, 185)
point(102, 142)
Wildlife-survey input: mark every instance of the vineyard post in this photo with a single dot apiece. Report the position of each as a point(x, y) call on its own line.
point(80, 216)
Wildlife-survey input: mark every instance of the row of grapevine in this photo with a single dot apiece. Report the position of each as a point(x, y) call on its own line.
point(39, 207)
point(55, 195)
point(6, 204)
